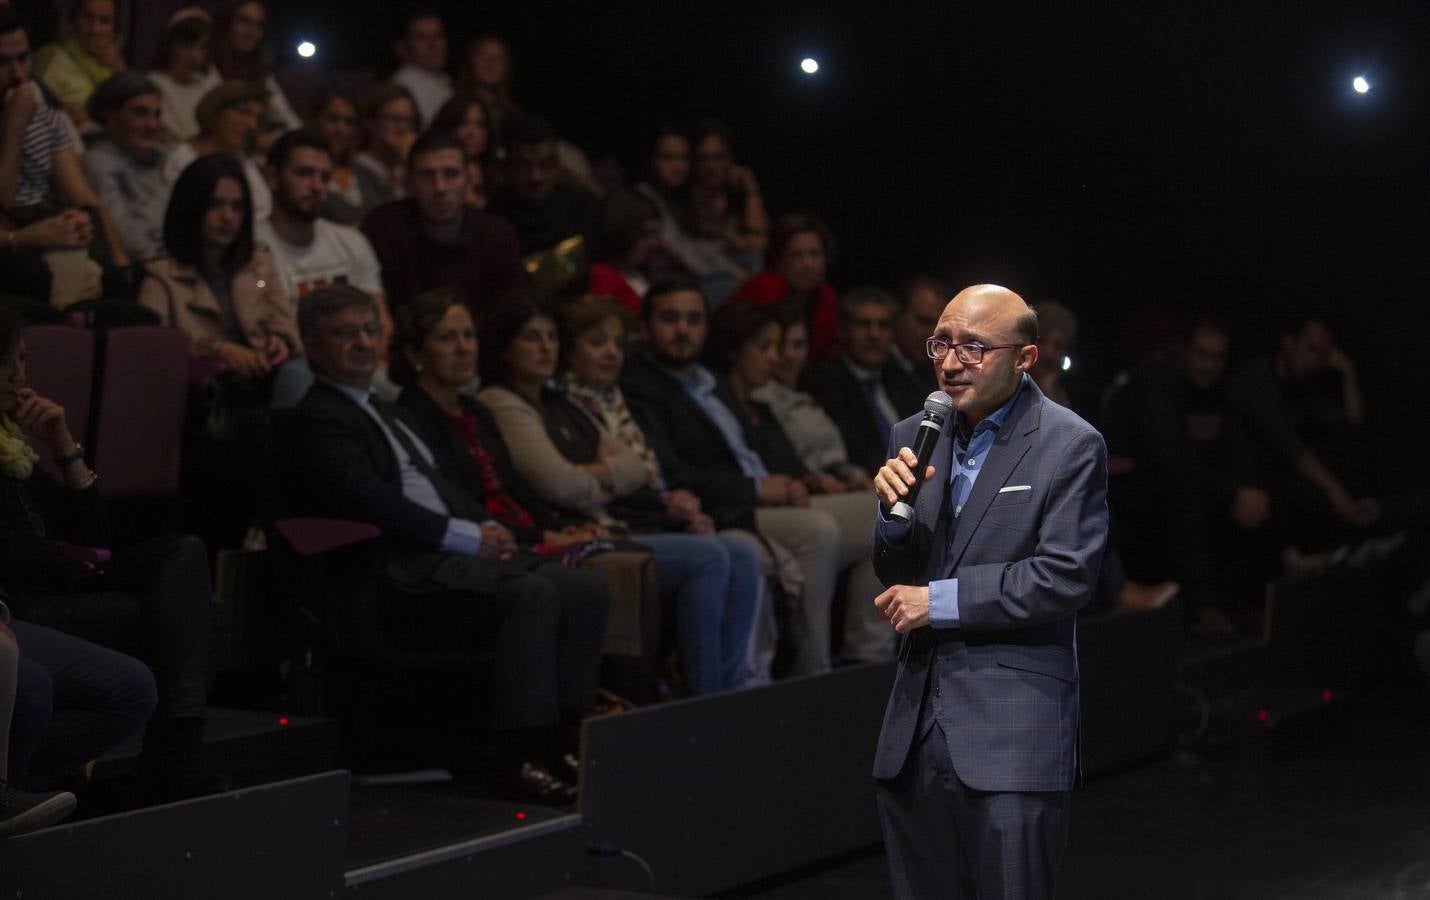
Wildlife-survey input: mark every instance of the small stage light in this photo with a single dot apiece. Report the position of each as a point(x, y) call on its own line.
point(307, 49)
point(521, 815)
point(1263, 715)
point(809, 65)
point(1067, 363)
point(1360, 84)
point(282, 720)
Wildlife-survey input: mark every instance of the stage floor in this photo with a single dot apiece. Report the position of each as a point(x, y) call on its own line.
point(1346, 822)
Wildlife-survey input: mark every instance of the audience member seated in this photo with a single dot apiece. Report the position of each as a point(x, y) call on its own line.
point(454, 576)
point(922, 301)
point(312, 252)
point(1303, 407)
point(571, 454)
point(701, 447)
point(1191, 507)
point(433, 239)
point(239, 54)
point(228, 124)
point(667, 185)
point(486, 73)
point(865, 391)
point(126, 165)
point(354, 189)
point(434, 357)
point(743, 347)
point(547, 211)
point(801, 251)
point(725, 210)
point(813, 434)
point(183, 72)
point(390, 128)
point(151, 598)
point(217, 285)
point(465, 116)
point(40, 174)
point(86, 57)
point(25, 277)
point(20, 811)
point(630, 234)
point(1057, 332)
point(423, 52)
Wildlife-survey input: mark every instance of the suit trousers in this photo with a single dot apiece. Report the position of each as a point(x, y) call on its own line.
point(946, 840)
point(546, 626)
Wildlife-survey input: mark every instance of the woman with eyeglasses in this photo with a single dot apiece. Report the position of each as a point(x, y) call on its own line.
point(391, 128)
point(354, 189)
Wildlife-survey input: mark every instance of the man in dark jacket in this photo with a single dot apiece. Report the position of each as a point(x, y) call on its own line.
point(450, 572)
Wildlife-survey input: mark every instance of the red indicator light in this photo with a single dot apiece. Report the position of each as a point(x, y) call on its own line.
point(521, 815)
point(1327, 695)
point(1262, 715)
point(282, 720)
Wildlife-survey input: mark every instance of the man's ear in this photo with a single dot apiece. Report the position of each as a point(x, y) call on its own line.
point(1027, 357)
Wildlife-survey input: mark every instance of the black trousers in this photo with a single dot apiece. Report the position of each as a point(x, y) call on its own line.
point(545, 622)
point(152, 601)
point(947, 840)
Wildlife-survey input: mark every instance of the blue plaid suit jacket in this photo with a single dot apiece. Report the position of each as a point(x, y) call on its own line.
point(1004, 684)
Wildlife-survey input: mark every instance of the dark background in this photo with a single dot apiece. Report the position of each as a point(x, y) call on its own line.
point(1192, 155)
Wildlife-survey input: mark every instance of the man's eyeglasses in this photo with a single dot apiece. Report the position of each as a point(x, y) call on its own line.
point(968, 354)
point(349, 333)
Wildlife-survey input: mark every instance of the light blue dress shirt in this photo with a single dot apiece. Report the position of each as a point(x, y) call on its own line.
point(463, 536)
point(699, 384)
point(968, 458)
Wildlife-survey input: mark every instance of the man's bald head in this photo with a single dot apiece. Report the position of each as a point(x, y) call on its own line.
point(1007, 330)
point(994, 306)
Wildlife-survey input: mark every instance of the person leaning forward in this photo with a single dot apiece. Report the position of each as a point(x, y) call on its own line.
point(978, 750)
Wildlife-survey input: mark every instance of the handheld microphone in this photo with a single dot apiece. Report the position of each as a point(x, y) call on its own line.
point(938, 409)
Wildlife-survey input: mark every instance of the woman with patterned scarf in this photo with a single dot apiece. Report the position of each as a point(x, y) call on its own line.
point(576, 462)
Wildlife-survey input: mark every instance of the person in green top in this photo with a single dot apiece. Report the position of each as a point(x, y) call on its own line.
point(1280, 400)
point(89, 53)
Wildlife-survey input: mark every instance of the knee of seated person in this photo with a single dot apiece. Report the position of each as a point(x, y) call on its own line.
point(188, 548)
point(822, 527)
point(34, 693)
point(136, 693)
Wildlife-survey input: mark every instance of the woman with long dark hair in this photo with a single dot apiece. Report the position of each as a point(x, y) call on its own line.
point(354, 189)
point(466, 117)
point(240, 54)
point(216, 284)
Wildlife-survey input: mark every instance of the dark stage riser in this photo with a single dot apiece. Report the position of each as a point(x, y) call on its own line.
point(720, 791)
point(278, 841)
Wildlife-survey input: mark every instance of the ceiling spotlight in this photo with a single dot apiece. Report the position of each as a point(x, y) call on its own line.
point(1360, 84)
point(307, 49)
point(1066, 363)
point(809, 65)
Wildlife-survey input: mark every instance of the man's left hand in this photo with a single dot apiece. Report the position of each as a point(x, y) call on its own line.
point(905, 606)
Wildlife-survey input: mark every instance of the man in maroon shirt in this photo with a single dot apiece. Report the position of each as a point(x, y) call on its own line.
point(433, 239)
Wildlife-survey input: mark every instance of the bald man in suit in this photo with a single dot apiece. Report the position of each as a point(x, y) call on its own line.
point(978, 751)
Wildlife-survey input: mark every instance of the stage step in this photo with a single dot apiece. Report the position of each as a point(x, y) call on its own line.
point(250, 747)
point(1280, 724)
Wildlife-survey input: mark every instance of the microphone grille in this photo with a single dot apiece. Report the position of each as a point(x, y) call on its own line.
point(938, 404)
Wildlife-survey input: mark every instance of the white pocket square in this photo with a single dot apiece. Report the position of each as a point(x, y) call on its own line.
point(1015, 487)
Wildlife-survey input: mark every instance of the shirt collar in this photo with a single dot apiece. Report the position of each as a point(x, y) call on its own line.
point(861, 374)
point(694, 377)
point(360, 396)
point(994, 420)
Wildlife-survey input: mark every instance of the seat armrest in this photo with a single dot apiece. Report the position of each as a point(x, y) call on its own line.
point(312, 536)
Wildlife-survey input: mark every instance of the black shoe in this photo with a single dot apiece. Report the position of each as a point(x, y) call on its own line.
point(533, 783)
point(21, 812)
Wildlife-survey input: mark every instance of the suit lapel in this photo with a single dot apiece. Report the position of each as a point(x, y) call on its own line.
point(1013, 443)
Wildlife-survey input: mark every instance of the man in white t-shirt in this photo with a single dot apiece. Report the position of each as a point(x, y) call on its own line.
point(313, 252)
point(423, 51)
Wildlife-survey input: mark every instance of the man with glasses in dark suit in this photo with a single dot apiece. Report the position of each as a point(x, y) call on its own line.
point(978, 751)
